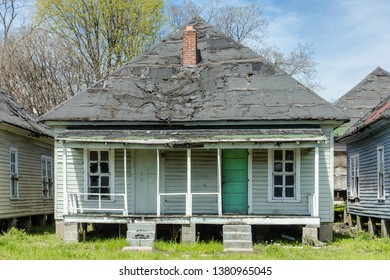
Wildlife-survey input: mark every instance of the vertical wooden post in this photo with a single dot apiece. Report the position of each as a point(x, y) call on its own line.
point(316, 182)
point(158, 184)
point(250, 168)
point(126, 210)
point(219, 180)
point(189, 195)
point(65, 179)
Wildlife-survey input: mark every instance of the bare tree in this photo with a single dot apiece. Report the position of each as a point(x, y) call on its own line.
point(39, 71)
point(9, 11)
point(246, 24)
point(299, 63)
point(240, 22)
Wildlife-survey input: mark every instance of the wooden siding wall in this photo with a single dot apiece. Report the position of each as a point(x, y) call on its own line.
point(203, 179)
point(30, 201)
point(369, 205)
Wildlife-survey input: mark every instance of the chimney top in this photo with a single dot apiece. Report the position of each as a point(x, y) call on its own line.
point(189, 46)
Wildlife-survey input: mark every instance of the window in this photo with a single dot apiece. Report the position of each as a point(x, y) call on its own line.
point(354, 172)
point(284, 175)
point(381, 172)
point(14, 175)
point(47, 176)
point(99, 174)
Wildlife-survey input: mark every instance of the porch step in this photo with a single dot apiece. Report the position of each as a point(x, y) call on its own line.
point(237, 238)
point(141, 236)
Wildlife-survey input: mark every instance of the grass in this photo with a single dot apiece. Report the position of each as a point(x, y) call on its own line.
point(44, 245)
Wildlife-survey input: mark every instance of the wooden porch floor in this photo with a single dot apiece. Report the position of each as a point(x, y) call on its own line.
point(195, 219)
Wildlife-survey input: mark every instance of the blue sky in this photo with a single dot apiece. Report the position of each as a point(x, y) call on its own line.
point(350, 38)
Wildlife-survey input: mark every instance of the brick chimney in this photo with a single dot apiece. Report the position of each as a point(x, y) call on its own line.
point(189, 46)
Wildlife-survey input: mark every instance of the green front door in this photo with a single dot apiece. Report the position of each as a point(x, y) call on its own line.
point(235, 181)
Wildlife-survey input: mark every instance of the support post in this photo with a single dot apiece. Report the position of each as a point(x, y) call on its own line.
point(250, 204)
point(158, 184)
point(219, 180)
point(65, 178)
point(316, 182)
point(189, 196)
point(126, 209)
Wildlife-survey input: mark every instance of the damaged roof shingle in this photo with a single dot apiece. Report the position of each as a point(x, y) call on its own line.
point(231, 82)
point(13, 114)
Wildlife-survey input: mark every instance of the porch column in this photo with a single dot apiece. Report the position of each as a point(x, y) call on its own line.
point(65, 179)
point(219, 182)
point(125, 179)
point(158, 184)
point(189, 195)
point(316, 182)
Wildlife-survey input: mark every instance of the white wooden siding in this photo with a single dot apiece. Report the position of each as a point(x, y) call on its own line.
point(31, 200)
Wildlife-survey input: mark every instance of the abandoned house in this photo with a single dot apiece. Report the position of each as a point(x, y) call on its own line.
point(26, 168)
point(356, 103)
point(368, 162)
point(198, 130)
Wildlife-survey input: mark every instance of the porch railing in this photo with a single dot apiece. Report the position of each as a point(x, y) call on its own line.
point(188, 199)
point(77, 203)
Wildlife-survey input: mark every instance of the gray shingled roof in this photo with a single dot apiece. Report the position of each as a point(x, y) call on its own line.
point(381, 112)
point(231, 82)
point(13, 114)
point(362, 98)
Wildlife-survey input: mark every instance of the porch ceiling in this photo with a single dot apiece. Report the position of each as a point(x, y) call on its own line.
point(194, 136)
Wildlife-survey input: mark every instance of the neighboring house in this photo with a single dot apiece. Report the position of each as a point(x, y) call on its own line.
point(355, 104)
point(368, 158)
point(197, 130)
point(26, 168)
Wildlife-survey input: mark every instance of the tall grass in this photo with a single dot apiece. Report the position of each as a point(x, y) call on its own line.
point(44, 245)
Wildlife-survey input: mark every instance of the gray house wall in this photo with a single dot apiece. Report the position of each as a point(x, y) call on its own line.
point(368, 204)
point(30, 149)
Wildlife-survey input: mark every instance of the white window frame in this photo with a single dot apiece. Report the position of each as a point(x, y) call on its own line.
point(354, 172)
point(14, 173)
point(47, 176)
point(381, 172)
point(111, 174)
point(296, 173)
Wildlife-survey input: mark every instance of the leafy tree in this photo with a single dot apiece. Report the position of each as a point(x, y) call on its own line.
point(103, 33)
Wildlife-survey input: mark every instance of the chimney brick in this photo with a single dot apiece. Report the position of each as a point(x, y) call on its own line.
point(189, 46)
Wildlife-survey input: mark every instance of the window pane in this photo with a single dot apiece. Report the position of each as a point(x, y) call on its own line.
point(278, 155)
point(278, 192)
point(104, 155)
point(289, 192)
point(289, 155)
point(104, 167)
point(289, 180)
point(94, 181)
point(105, 181)
point(93, 167)
point(278, 167)
point(93, 155)
point(289, 167)
point(278, 180)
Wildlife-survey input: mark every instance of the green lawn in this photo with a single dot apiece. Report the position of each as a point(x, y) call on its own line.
point(18, 245)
